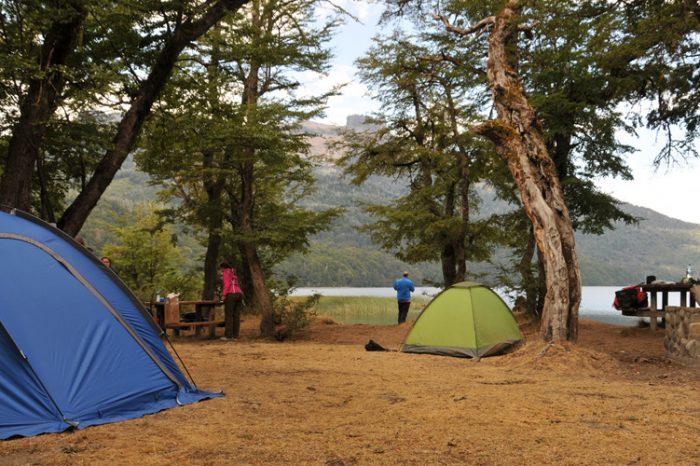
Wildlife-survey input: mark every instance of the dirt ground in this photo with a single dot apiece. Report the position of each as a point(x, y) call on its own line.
point(612, 399)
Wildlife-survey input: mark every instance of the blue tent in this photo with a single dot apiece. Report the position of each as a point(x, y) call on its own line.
point(76, 347)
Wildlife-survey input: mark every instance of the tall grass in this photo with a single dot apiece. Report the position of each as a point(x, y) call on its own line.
point(365, 309)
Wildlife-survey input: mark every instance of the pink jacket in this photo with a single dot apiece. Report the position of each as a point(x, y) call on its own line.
point(231, 282)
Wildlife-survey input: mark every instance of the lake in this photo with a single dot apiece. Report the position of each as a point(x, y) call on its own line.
point(596, 304)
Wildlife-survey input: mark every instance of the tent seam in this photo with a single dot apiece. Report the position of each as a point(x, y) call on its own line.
point(100, 297)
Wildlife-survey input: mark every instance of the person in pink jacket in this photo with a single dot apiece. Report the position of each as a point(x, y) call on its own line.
point(233, 295)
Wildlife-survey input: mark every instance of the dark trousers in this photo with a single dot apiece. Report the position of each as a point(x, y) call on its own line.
point(403, 310)
point(232, 315)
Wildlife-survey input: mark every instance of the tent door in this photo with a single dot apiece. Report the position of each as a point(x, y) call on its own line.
point(4, 332)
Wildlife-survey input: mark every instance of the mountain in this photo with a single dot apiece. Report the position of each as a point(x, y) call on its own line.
point(658, 245)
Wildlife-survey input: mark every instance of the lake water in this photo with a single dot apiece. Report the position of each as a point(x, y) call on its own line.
point(596, 303)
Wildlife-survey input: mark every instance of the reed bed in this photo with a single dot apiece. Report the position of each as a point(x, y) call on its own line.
point(365, 309)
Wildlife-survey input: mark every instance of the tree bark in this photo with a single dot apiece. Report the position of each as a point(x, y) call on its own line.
point(448, 261)
point(519, 141)
point(461, 245)
point(46, 210)
point(532, 287)
point(213, 186)
point(247, 285)
point(213, 183)
point(462, 155)
point(261, 297)
point(37, 107)
point(131, 123)
point(260, 294)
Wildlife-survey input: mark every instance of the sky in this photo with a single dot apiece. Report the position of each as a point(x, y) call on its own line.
point(673, 191)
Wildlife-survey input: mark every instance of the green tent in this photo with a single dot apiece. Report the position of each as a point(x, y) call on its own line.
point(465, 320)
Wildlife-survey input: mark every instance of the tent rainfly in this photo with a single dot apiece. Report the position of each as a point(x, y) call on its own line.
point(465, 320)
point(76, 346)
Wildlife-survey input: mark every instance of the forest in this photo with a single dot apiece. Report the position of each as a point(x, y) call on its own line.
point(524, 100)
point(346, 256)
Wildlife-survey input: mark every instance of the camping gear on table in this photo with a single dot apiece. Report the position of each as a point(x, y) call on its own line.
point(77, 348)
point(630, 297)
point(465, 320)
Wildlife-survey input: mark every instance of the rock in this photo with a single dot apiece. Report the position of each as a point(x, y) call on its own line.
point(694, 330)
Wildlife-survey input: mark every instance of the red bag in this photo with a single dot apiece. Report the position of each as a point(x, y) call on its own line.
point(630, 297)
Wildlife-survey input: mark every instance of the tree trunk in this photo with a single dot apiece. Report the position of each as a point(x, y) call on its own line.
point(260, 294)
point(247, 285)
point(37, 108)
point(213, 183)
point(461, 246)
point(251, 94)
point(519, 141)
point(448, 255)
point(448, 261)
point(462, 154)
point(213, 186)
point(130, 126)
point(532, 287)
point(46, 211)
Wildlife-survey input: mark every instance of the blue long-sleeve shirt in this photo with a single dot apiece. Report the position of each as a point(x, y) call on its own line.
point(404, 287)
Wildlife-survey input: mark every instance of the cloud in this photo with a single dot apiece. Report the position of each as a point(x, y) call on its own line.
point(672, 191)
point(364, 10)
point(353, 98)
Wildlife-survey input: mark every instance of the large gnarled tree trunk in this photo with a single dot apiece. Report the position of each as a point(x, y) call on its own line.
point(519, 141)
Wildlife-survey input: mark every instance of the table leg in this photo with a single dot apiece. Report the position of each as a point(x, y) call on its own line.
point(664, 303)
point(683, 299)
point(160, 314)
point(652, 308)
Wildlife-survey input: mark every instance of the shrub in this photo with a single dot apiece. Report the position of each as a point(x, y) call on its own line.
point(292, 315)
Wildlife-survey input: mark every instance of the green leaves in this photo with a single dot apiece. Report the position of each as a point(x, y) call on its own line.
point(146, 257)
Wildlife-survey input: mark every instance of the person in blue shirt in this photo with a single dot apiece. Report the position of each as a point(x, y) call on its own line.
point(404, 287)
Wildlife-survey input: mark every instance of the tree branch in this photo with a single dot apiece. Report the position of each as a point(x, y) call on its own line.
point(484, 23)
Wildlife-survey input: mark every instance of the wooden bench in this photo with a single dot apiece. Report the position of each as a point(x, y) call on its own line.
point(173, 321)
point(642, 312)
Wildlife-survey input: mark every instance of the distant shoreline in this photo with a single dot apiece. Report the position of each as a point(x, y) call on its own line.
point(596, 302)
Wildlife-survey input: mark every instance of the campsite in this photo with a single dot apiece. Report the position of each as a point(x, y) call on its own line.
point(613, 398)
point(171, 172)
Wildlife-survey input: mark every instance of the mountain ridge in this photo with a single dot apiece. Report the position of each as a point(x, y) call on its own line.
point(659, 245)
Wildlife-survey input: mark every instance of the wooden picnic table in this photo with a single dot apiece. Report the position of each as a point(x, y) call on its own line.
point(167, 320)
point(654, 311)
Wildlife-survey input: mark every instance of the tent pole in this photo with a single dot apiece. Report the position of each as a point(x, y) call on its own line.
point(164, 334)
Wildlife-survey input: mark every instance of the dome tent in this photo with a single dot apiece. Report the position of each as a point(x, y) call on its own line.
point(465, 320)
point(77, 348)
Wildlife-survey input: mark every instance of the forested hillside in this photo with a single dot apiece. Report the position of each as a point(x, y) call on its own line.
point(343, 256)
point(658, 245)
